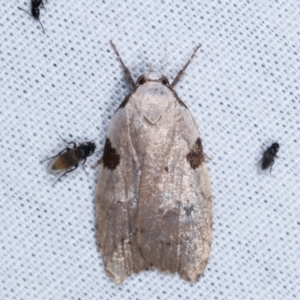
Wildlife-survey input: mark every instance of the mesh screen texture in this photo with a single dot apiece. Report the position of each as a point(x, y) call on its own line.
point(243, 91)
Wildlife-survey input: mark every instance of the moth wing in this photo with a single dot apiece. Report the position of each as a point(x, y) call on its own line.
point(117, 199)
point(153, 206)
point(174, 221)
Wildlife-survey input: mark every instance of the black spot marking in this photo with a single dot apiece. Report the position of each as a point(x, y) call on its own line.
point(166, 169)
point(122, 240)
point(168, 244)
point(195, 157)
point(142, 231)
point(110, 158)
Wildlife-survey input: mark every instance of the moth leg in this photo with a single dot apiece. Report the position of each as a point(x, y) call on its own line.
point(181, 72)
point(125, 69)
point(71, 170)
point(97, 163)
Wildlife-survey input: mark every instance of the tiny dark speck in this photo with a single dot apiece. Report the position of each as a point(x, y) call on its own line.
point(188, 210)
point(195, 157)
point(166, 169)
point(110, 158)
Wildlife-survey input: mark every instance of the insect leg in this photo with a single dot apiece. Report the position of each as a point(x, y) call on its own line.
point(84, 166)
point(71, 170)
point(42, 26)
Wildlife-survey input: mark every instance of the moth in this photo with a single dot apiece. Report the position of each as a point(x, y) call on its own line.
point(68, 159)
point(268, 157)
point(153, 201)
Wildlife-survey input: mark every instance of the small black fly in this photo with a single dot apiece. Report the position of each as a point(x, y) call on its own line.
point(268, 157)
point(68, 159)
point(35, 10)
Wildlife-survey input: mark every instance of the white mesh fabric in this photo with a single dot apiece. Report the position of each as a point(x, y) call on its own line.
point(243, 90)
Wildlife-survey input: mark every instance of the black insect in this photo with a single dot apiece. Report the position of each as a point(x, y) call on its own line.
point(68, 159)
point(35, 10)
point(268, 157)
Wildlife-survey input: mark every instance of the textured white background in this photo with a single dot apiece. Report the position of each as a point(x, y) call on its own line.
point(243, 90)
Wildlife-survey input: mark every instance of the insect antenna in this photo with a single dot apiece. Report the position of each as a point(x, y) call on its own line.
point(181, 72)
point(32, 17)
point(125, 69)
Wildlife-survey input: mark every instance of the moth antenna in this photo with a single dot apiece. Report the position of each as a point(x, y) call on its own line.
point(97, 163)
point(181, 72)
point(125, 69)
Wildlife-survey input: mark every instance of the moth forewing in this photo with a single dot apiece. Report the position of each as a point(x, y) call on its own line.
point(153, 206)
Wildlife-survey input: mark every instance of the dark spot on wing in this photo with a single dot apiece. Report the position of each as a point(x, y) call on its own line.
point(110, 158)
point(188, 210)
point(195, 157)
point(166, 169)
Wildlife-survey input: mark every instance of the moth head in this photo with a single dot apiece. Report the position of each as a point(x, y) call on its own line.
point(152, 76)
